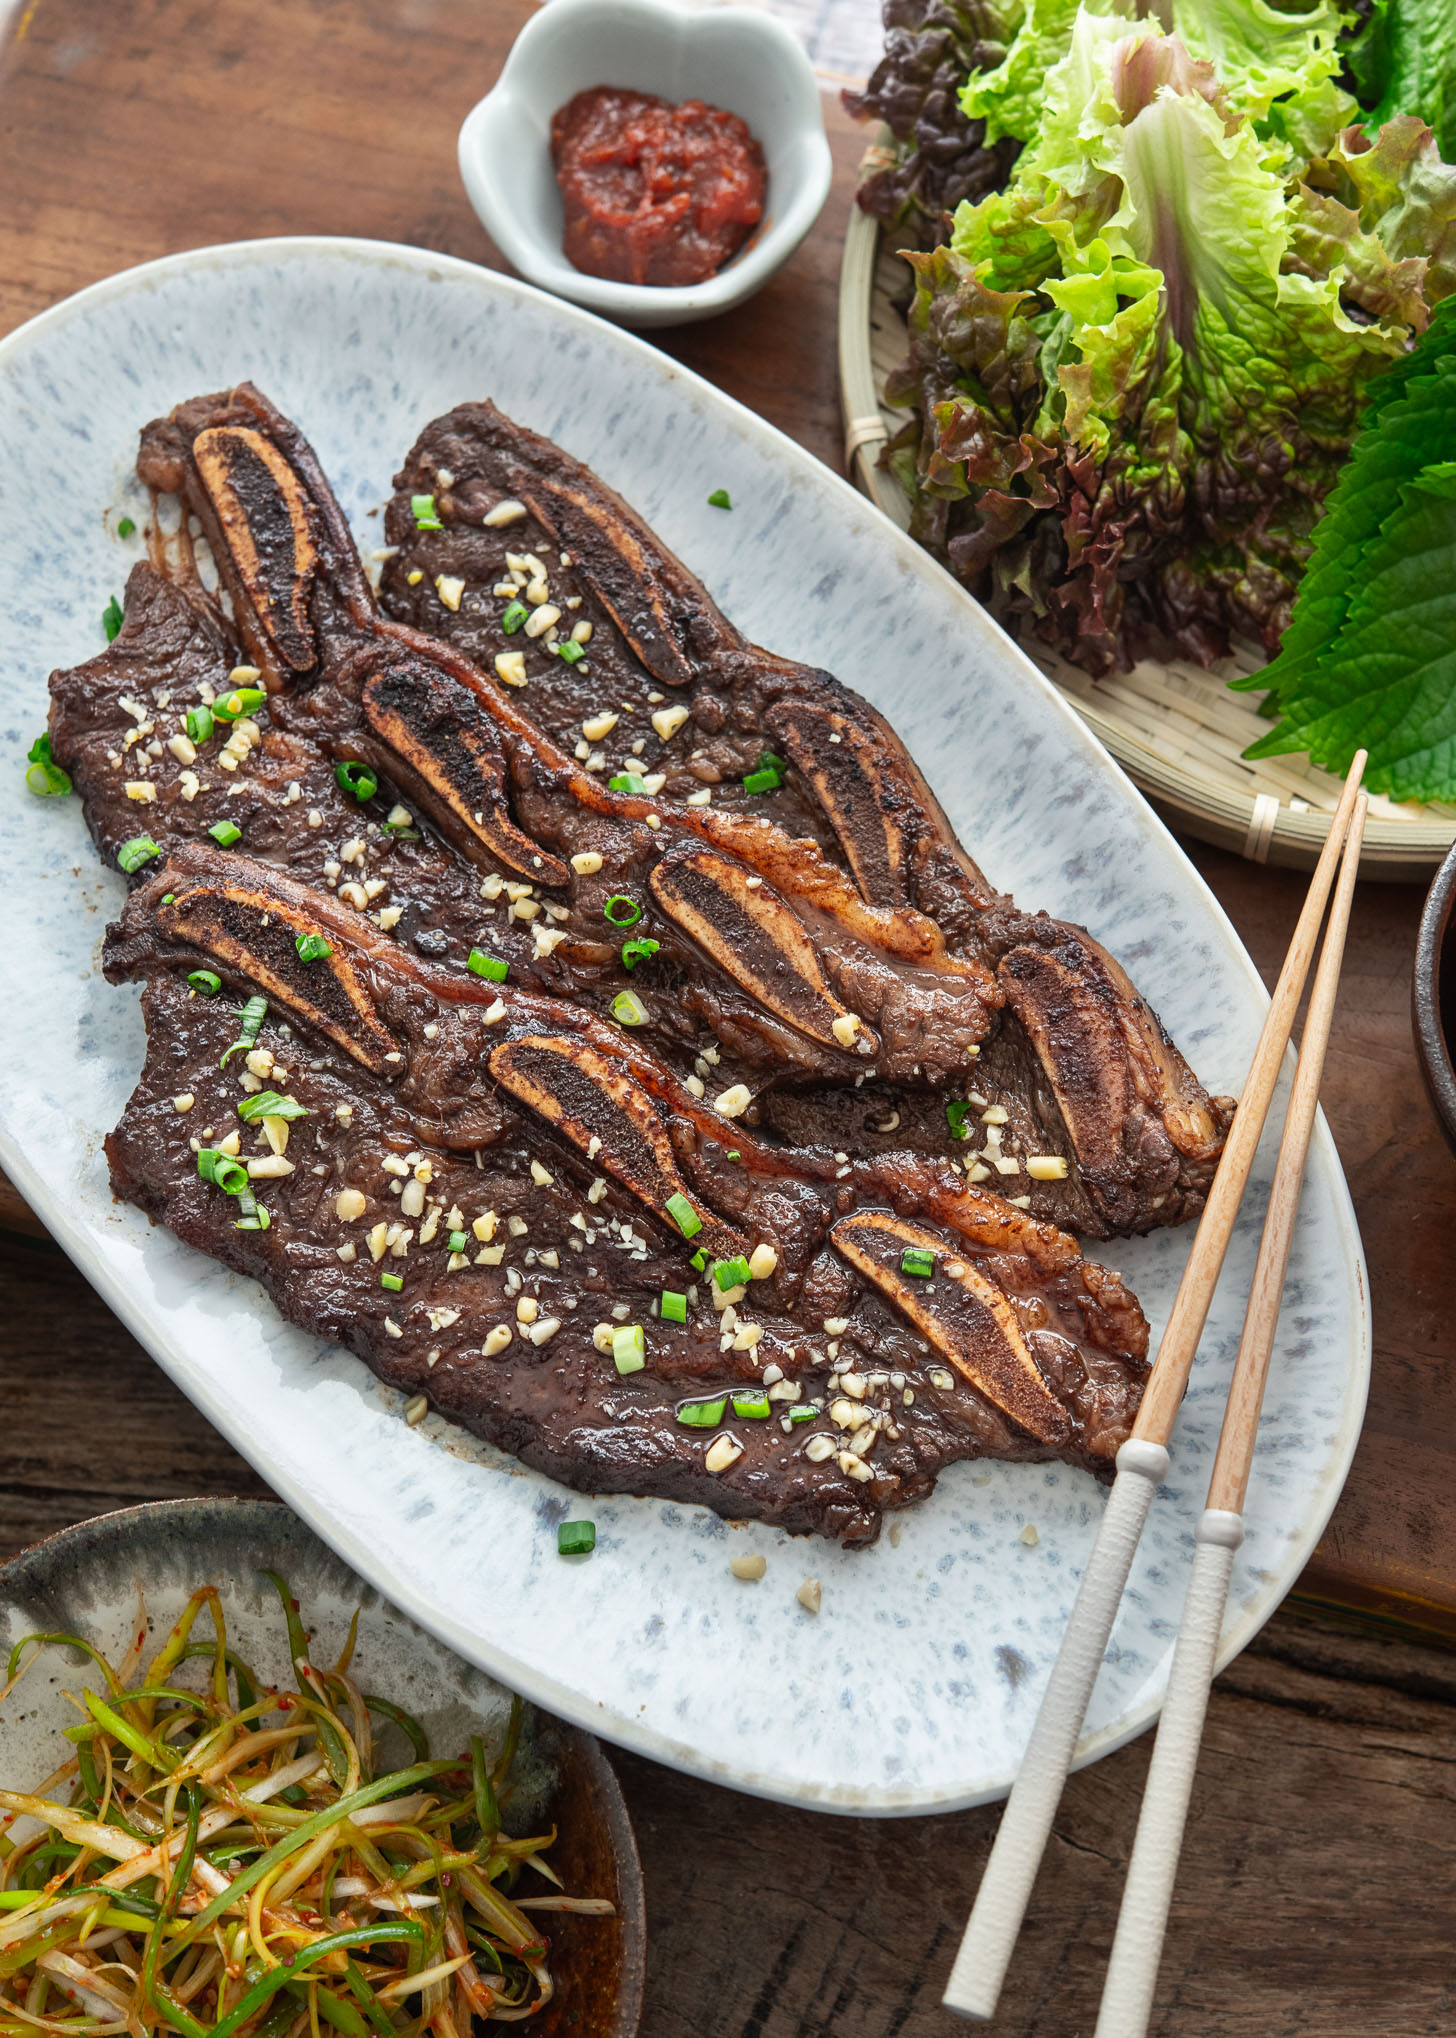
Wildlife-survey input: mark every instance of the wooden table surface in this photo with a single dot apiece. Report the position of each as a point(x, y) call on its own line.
point(1314, 1896)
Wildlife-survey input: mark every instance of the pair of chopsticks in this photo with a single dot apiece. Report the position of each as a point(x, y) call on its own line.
point(1142, 1463)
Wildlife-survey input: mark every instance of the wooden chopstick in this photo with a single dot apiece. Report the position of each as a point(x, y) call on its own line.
point(1137, 1948)
point(995, 1920)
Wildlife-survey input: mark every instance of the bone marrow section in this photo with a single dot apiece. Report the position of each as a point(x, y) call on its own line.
point(600, 1107)
point(845, 768)
point(445, 753)
point(256, 933)
point(754, 934)
point(966, 1317)
point(268, 525)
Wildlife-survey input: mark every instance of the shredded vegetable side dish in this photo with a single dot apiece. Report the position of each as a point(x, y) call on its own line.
point(226, 1860)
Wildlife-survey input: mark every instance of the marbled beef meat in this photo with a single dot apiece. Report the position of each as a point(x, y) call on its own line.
point(681, 911)
point(533, 1183)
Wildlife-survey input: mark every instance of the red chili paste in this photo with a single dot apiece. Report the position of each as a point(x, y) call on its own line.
point(654, 193)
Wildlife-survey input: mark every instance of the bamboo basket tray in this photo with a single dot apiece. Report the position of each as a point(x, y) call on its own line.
point(1176, 729)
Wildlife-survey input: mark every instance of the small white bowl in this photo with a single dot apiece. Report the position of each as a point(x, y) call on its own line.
point(729, 56)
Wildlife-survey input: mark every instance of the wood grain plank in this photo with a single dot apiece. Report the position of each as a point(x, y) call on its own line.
point(1315, 1892)
point(1286, 1919)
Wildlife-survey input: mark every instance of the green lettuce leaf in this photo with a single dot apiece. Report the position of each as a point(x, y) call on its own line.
point(1404, 61)
point(1139, 368)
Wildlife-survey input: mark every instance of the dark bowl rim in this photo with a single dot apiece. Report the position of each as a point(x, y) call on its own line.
point(1433, 1051)
point(632, 1970)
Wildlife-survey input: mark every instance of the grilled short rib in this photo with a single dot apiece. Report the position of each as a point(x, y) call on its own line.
point(799, 954)
point(834, 990)
point(511, 1161)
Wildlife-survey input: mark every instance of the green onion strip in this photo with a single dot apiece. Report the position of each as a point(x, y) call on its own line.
point(255, 1869)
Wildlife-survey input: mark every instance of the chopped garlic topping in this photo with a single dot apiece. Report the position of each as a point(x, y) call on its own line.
point(667, 721)
point(1046, 1167)
point(725, 1450)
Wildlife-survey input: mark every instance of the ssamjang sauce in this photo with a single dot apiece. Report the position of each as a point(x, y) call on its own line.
point(654, 193)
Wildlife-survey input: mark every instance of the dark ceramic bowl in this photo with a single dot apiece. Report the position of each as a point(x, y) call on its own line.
point(1433, 995)
point(87, 1580)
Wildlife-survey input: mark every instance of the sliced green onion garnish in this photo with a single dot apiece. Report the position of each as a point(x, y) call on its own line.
point(762, 782)
point(45, 777)
point(628, 1009)
point(112, 618)
point(641, 949)
point(798, 1413)
point(629, 1348)
point(673, 1308)
point(356, 779)
point(132, 855)
point(622, 911)
point(627, 782)
point(915, 1260)
point(514, 614)
point(702, 1414)
point(719, 499)
point(199, 724)
point(426, 516)
point(576, 1538)
point(733, 1154)
point(125, 527)
point(393, 1282)
point(250, 1022)
point(570, 651)
point(221, 1169)
point(699, 1260)
point(268, 1104)
point(734, 1273)
point(955, 1117)
point(205, 980)
point(225, 833)
point(686, 1219)
point(488, 966)
point(253, 1213)
point(312, 947)
point(243, 700)
point(457, 1241)
point(752, 1407)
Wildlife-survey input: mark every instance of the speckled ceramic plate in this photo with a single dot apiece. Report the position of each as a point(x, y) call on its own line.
point(104, 1579)
point(915, 1687)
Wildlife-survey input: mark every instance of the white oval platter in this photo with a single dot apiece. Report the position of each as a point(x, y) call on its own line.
point(915, 1687)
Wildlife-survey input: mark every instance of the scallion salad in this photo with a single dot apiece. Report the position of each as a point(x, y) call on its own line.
point(225, 1860)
